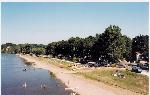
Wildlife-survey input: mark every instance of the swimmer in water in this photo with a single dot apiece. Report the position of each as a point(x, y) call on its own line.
point(43, 86)
point(24, 85)
point(24, 69)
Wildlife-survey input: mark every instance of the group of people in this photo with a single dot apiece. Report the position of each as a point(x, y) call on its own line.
point(25, 84)
point(42, 85)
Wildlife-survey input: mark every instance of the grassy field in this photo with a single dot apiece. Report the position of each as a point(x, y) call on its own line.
point(132, 81)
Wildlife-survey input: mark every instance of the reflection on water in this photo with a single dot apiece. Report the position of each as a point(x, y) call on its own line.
point(14, 77)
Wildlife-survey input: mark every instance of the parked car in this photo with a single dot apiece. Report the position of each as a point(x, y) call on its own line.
point(144, 66)
point(92, 64)
point(68, 57)
point(60, 56)
point(101, 63)
point(136, 69)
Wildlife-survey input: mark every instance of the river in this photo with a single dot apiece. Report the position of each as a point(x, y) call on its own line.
point(13, 78)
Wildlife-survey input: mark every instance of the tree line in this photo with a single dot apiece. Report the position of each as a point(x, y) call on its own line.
point(110, 46)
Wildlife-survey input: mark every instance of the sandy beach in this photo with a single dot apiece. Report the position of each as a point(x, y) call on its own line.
point(78, 83)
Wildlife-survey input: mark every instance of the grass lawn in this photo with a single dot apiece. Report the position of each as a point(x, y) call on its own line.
point(132, 81)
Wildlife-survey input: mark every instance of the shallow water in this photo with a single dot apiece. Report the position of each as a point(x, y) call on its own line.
point(13, 77)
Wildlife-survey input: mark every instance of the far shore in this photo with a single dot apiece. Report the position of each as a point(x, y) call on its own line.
point(75, 82)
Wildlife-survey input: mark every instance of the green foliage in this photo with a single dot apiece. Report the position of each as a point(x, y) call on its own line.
point(22, 48)
point(26, 49)
point(38, 51)
point(8, 48)
point(128, 48)
point(140, 44)
point(87, 44)
point(110, 47)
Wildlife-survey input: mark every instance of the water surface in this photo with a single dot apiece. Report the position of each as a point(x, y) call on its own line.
point(13, 77)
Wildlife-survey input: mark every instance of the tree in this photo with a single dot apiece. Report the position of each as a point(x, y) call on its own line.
point(140, 44)
point(8, 48)
point(87, 45)
point(109, 46)
point(38, 51)
point(76, 44)
point(51, 49)
point(26, 49)
point(128, 48)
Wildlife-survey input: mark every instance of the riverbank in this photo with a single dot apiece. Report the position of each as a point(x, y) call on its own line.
point(77, 83)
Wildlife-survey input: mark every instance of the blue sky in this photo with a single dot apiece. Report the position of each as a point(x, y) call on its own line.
point(47, 22)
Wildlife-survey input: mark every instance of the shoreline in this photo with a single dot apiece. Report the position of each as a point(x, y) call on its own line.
point(77, 83)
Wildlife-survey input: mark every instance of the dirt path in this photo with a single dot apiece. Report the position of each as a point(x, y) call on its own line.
point(78, 83)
